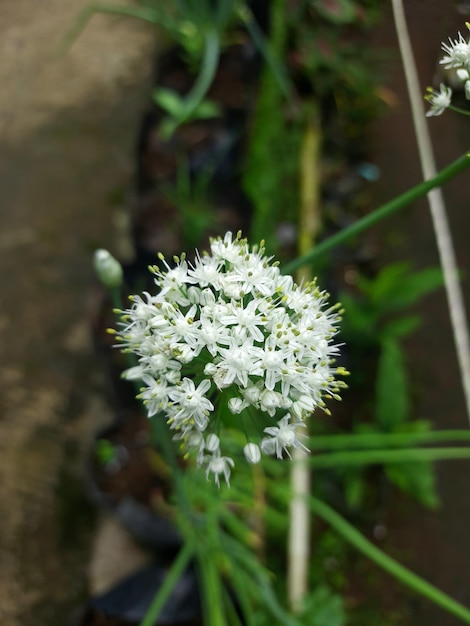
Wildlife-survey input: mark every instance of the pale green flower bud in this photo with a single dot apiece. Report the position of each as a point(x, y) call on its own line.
point(108, 269)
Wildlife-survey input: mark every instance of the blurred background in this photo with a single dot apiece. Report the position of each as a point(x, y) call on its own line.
point(68, 126)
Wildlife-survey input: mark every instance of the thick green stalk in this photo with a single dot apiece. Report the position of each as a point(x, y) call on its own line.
point(171, 580)
point(370, 457)
point(378, 440)
point(379, 214)
point(398, 571)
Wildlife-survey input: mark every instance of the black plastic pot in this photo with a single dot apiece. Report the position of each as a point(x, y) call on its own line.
point(128, 602)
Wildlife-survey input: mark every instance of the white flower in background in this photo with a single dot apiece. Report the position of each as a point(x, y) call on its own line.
point(218, 465)
point(439, 100)
point(229, 340)
point(457, 53)
point(282, 437)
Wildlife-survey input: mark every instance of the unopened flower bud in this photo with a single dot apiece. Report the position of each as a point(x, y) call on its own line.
point(236, 405)
point(252, 453)
point(212, 443)
point(108, 269)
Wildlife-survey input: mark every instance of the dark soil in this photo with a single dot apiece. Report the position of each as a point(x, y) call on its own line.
point(132, 468)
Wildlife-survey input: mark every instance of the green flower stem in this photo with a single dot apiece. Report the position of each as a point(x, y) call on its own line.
point(206, 76)
point(171, 579)
point(378, 440)
point(116, 298)
point(458, 110)
point(203, 82)
point(379, 214)
point(384, 561)
point(370, 457)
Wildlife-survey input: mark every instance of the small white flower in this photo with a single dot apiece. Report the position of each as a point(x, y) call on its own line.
point(218, 465)
point(282, 437)
point(457, 53)
point(303, 407)
point(270, 401)
point(251, 393)
point(155, 396)
point(193, 442)
point(236, 405)
point(134, 373)
point(439, 100)
point(245, 320)
point(225, 250)
point(252, 453)
point(190, 403)
point(237, 362)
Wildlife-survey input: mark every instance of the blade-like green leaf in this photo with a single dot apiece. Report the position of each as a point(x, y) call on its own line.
point(402, 326)
point(397, 287)
point(170, 101)
point(401, 573)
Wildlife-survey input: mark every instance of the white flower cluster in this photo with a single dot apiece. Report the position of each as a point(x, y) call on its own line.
point(457, 57)
point(230, 340)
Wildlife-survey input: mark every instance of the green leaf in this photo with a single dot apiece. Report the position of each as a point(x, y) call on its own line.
point(392, 396)
point(416, 479)
point(170, 101)
point(396, 287)
point(402, 326)
point(323, 608)
point(206, 109)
